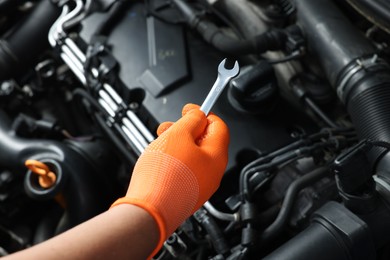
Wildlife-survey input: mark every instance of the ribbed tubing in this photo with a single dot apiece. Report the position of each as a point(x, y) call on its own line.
point(370, 112)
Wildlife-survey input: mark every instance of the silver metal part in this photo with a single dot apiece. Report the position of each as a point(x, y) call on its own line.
point(120, 117)
point(128, 126)
point(359, 65)
point(211, 2)
point(220, 215)
point(224, 76)
point(381, 182)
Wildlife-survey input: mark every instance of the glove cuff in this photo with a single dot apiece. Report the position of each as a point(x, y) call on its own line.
point(153, 212)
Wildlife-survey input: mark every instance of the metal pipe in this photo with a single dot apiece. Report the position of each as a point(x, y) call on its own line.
point(74, 59)
point(74, 68)
point(113, 93)
point(106, 107)
point(137, 122)
point(60, 32)
point(129, 135)
point(103, 95)
point(141, 140)
point(76, 50)
point(219, 214)
point(51, 36)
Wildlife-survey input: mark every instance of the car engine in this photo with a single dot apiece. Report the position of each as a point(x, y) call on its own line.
point(84, 85)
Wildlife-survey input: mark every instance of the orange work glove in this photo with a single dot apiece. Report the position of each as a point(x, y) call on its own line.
point(180, 170)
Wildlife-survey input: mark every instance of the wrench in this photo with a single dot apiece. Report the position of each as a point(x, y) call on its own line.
point(224, 76)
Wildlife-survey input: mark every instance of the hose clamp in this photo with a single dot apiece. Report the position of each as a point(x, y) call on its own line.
point(360, 64)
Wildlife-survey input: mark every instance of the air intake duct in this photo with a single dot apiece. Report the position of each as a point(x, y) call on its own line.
point(23, 43)
point(351, 64)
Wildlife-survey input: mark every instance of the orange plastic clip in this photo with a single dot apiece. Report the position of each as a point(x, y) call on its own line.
point(47, 178)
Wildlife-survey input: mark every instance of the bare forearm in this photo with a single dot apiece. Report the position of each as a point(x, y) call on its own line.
point(168, 184)
point(124, 232)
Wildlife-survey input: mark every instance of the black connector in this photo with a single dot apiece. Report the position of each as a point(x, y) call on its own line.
point(353, 169)
point(248, 212)
point(216, 236)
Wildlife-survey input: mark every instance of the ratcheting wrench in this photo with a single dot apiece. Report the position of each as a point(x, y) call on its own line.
point(224, 76)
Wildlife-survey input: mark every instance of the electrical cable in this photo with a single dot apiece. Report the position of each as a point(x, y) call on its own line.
point(292, 56)
point(302, 94)
point(382, 144)
point(106, 129)
point(324, 133)
point(84, 94)
point(319, 112)
point(245, 190)
point(287, 148)
point(116, 141)
point(293, 151)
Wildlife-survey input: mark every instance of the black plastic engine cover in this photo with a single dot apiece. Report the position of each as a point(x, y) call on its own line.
point(175, 66)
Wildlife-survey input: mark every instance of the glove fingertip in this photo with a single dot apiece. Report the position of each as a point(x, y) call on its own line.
point(216, 135)
point(188, 107)
point(163, 127)
point(218, 125)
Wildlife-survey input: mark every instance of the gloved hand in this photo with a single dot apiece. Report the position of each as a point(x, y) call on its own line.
point(180, 170)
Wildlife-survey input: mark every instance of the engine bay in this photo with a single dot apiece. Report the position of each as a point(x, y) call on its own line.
point(85, 84)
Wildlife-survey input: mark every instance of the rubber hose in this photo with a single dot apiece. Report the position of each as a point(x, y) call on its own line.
point(115, 13)
point(288, 202)
point(331, 36)
point(243, 16)
point(369, 108)
point(352, 66)
point(217, 237)
point(22, 46)
point(268, 41)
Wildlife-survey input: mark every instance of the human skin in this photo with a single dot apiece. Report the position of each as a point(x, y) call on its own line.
point(123, 232)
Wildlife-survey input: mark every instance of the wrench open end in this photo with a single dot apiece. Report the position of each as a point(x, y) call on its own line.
point(229, 72)
point(224, 76)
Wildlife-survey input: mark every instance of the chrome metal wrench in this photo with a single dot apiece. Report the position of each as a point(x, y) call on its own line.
point(224, 76)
